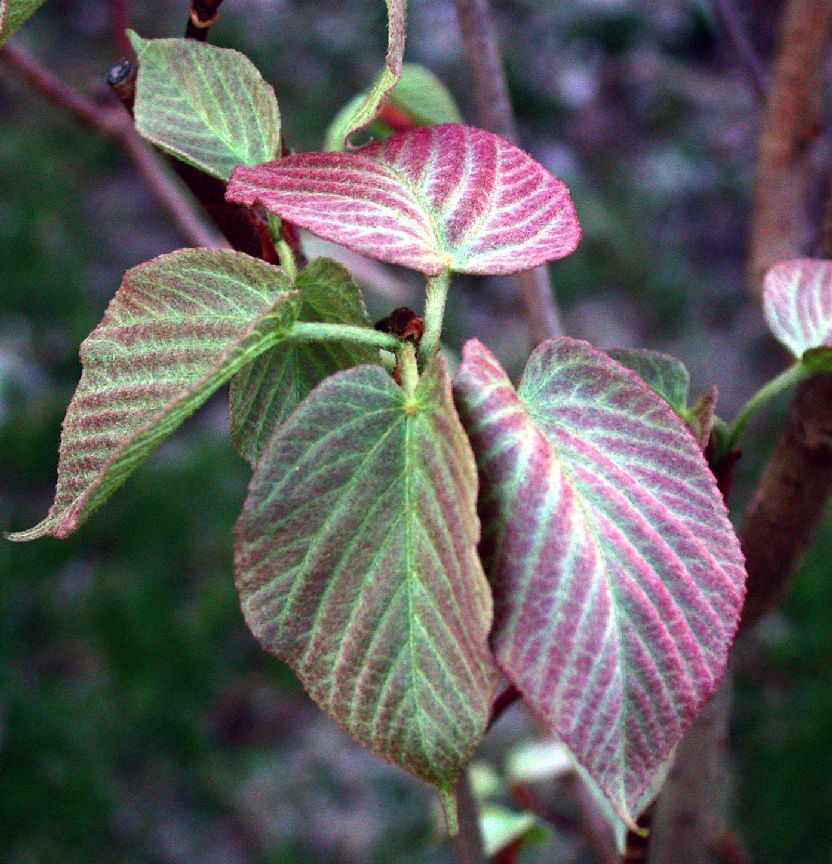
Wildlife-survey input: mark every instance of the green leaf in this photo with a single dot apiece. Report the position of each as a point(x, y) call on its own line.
point(662, 373)
point(207, 106)
point(177, 329)
point(420, 96)
point(368, 107)
point(267, 391)
point(13, 13)
point(502, 828)
point(356, 563)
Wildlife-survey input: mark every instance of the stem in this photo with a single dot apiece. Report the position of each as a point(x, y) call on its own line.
point(313, 331)
point(408, 370)
point(120, 15)
point(466, 845)
point(762, 397)
point(436, 295)
point(494, 111)
point(284, 251)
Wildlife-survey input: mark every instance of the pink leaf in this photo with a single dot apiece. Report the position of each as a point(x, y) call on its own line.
point(437, 197)
point(618, 579)
point(797, 298)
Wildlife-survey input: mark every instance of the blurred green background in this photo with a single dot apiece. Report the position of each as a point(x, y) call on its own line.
point(139, 722)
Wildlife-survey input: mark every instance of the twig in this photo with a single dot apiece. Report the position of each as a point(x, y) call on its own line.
point(120, 22)
point(494, 112)
point(466, 845)
point(780, 222)
point(116, 126)
point(748, 60)
point(204, 14)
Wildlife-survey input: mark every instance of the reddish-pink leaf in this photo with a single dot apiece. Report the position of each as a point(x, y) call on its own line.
point(437, 197)
point(618, 578)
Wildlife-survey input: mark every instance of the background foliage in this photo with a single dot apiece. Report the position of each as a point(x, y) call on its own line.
point(138, 719)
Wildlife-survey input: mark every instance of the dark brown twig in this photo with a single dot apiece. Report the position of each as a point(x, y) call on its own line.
point(203, 16)
point(748, 60)
point(112, 123)
point(495, 113)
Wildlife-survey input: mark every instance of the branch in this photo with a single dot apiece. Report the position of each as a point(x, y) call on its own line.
point(120, 22)
point(204, 14)
point(748, 60)
point(780, 222)
point(495, 114)
point(466, 845)
point(113, 124)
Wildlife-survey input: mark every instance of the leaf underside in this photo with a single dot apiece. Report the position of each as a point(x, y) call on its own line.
point(177, 329)
point(618, 578)
point(419, 94)
point(269, 389)
point(433, 198)
point(797, 300)
point(207, 106)
point(356, 563)
point(13, 13)
point(366, 110)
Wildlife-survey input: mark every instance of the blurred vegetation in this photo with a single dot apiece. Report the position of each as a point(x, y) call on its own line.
point(139, 722)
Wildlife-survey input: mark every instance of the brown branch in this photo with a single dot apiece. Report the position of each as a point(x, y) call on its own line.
point(120, 15)
point(203, 16)
point(780, 222)
point(112, 123)
point(466, 845)
point(495, 114)
point(748, 61)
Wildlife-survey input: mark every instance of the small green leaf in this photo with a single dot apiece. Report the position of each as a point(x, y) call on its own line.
point(817, 359)
point(207, 106)
point(356, 563)
point(266, 392)
point(368, 107)
point(177, 329)
point(13, 13)
point(419, 95)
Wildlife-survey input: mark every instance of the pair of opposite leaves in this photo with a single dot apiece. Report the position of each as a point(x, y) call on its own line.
point(616, 574)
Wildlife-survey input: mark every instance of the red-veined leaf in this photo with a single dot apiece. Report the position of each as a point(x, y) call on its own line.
point(618, 578)
point(177, 329)
point(356, 563)
point(437, 197)
point(797, 299)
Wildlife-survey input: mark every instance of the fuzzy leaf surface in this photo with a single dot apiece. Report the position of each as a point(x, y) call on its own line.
point(269, 389)
point(661, 372)
point(797, 300)
point(421, 97)
point(618, 579)
point(13, 13)
point(177, 329)
point(365, 110)
point(356, 563)
point(207, 106)
point(432, 198)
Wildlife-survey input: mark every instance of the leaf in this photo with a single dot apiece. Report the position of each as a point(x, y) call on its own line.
point(13, 13)
point(797, 300)
point(422, 98)
point(207, 106)
point(177, 329)
point(617, 576)
point(365, 111)
point(356, 563)
point(268, 390)
point(436, 197)
point(501, 828)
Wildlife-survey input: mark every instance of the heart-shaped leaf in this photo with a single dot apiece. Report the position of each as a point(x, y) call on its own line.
point(207, 106)
point(269, 389)
point(797, 299)
point(177, 329)
point(433, 198)
point(618, 578)
point(420, 99)
point(367, 107)
point(13, 13)
point(356, 563)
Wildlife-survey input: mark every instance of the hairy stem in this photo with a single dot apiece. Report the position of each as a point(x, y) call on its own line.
point(495, 114)
point(313, 331)
point(408, 369)
point(116, 126)
point(436, 295)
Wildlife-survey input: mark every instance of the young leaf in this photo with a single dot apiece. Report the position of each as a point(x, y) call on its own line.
point(433, 198)
point(618, 578)
point(797, 300)
point(177, 329)
point(420, 96)
point(207, 106)
point(365, 111)
point(13, 13)
point(356, 563)
point(268, 390)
